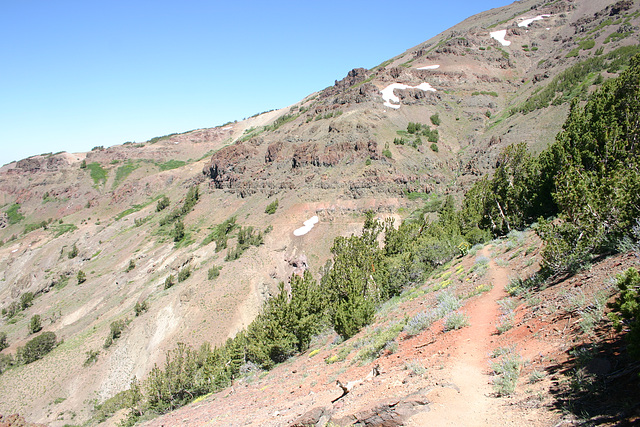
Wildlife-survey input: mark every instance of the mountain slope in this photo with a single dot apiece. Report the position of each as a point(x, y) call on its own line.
point(332, 155)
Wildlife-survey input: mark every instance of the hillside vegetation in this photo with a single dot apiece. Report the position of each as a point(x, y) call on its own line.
point(584, 189)
point(448, 237)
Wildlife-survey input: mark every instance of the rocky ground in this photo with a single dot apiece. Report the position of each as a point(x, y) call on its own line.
point(569, 372)
point(331, 155)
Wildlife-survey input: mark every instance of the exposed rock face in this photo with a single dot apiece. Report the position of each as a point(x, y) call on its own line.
point(353, 77)
point(16, 420)
point(389, 413)
point(228, 165)
point(386, 413)
point(42, 164)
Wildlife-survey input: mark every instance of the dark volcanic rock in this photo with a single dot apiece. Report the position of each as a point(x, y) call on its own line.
point(228, 164)
point(387, 413)
point(42, 164)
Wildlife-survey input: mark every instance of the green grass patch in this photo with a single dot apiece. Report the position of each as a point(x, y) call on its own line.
point(13, 214)
point(484, 92)
point(98, 173)
point(60, 229)
point(281, 121)
point(123, 172)
point(384, 64)
point(378, 341)
point(371, 77)
point(171, 164)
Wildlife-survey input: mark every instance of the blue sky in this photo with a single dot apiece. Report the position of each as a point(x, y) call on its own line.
point(78, 74)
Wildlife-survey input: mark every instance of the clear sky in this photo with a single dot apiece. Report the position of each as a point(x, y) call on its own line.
point(78, 74)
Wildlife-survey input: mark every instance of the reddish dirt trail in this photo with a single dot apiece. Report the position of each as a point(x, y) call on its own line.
point(457, 384)
point(467, 400)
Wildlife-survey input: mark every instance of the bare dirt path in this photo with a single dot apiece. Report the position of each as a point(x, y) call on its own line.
point(467, 400)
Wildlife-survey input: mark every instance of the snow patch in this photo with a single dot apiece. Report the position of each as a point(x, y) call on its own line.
point(388, 95)
point(308, 225)
point(500, 35)
point(528, 21)
point(430, 67)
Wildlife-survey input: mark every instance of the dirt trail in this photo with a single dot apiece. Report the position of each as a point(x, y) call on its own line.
point(466, 400)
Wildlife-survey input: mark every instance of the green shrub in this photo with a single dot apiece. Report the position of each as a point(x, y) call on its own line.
point(434, 148)
point(626, 308)
point(37, 348)
point(131, 266)
point(26, 300)
point(587, 44)
point(141, 307)
point(435, 119)
point(507, 371)
point(281, 121)
point(63, 280)
point(220, 233)
point(3, 341)
point(213, 272)
point(184, 274)
point(352, 314)
point(92, 357)
point(169, 281)
point(271, 207)
point(247, 237)
point(573, 53)
point(35, 325)
point(192, 197)
point(81, 277)
point(163, 204)
point(421, 321)
point(73, 252)
point(571, 79)
point(415, 366)
point(115, 331)
point(456, 320)
point(6, 362)
point(178, 231)
point(379, 341)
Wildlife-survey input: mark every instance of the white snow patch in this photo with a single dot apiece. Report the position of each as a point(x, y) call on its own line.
point(430, 67)
point(527, 22)
point(500, 35)
point(308, 225)
point(388, 95)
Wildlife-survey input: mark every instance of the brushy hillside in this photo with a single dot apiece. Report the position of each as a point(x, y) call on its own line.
point(336, 234)
point(364, 275)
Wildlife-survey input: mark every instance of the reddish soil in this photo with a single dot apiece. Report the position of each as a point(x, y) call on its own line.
point(456, 388)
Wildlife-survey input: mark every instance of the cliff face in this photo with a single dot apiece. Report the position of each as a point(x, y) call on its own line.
point(473, 80)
